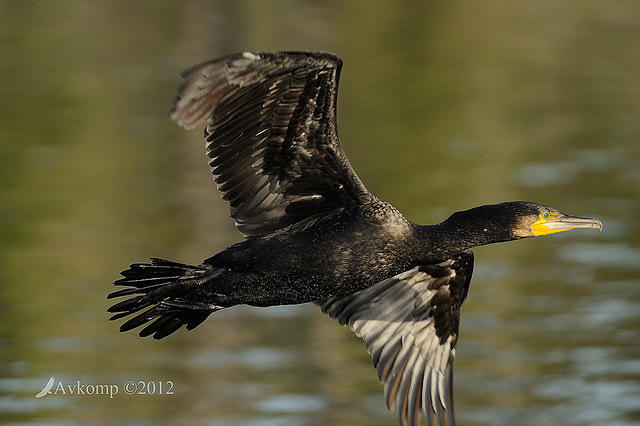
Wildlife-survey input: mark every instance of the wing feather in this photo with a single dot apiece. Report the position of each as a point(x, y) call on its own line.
point(409, 324)
point(271, 123)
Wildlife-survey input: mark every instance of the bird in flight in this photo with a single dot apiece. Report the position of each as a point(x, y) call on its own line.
point(314, 233)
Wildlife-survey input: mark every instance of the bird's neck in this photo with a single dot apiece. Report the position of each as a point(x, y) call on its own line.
point(461, 231)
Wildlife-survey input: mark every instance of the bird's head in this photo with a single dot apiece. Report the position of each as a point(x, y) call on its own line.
point(513, 220)
point(535, 220)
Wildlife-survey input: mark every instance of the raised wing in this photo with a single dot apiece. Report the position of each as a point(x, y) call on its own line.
point(409, 324)
point(271, 136)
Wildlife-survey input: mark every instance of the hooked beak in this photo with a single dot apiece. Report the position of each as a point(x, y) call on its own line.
point(562, 222)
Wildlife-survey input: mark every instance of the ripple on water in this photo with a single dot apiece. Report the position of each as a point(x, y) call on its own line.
point(538, 174)
point(64, 344)
point(291, 403)
point(253, 357)
point(595, 399)
point(542, 174)
point(263, 421)
point(608, 312)
point(606, 255)
point(592, 362)
point(30, 404)
point(18, 385)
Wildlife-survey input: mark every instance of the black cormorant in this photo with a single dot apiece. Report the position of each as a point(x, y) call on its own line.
point(314, 233)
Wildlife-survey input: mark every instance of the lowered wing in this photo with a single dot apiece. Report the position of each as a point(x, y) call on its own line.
point(409, 324)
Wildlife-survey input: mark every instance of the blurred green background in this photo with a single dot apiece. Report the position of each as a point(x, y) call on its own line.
point(443, 106)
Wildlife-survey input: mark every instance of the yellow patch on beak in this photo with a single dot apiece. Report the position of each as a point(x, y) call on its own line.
point(541, 227)
point(550, 223)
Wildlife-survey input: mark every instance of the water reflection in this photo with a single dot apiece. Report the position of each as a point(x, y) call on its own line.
point(605, 255)
point(291, 404)
point(565, 172)
point(441, 108)
point(251, 357)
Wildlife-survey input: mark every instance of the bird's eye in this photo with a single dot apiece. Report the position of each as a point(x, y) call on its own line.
point(545, 215)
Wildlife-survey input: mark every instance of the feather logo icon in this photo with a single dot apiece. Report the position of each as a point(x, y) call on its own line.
point(46, 389)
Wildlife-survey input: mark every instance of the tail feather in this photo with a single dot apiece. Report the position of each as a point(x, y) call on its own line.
point(163, 287)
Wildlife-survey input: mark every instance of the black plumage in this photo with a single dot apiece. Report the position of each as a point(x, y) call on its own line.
point(315, 234)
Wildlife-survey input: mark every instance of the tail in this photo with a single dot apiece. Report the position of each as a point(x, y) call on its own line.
point(165, 287)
